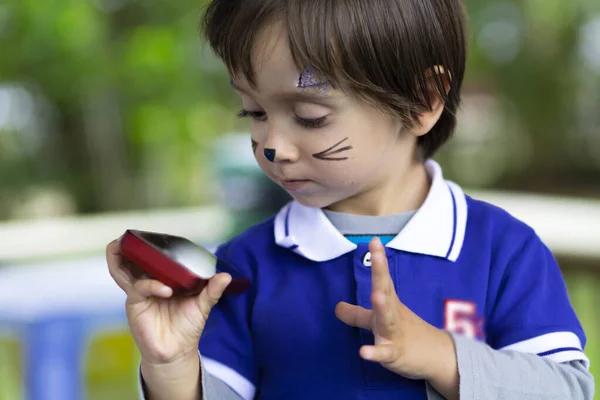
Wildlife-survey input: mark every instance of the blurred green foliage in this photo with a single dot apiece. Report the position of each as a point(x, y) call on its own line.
point(531, 57)
point(127, 96)
point(585, 297)
point(115, 104)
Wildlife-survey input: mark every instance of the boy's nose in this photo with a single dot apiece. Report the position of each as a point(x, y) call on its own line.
point(277, 150)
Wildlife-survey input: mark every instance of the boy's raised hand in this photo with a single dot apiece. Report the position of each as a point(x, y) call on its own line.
point(165, 328)
point(404, 343)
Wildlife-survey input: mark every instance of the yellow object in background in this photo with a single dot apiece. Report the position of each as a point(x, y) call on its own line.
point(11, 367)
point(111, 367)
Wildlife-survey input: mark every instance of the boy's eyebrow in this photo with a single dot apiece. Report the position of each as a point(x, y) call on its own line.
point(309, 94)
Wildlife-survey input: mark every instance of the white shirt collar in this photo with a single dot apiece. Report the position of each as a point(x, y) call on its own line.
point(437, 229)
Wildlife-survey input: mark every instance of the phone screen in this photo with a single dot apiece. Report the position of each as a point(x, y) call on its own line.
point(194, 257)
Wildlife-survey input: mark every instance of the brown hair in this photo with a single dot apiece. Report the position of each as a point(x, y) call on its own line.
point(381, 50)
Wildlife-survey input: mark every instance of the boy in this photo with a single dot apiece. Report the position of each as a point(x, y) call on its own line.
point(381, 280)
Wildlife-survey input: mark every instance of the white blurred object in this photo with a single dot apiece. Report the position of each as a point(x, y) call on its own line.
point(490, 140)
point(49, 238)
point(240, 175)
point(43, 202)
point(78, 286)
point(589, 46)
point(500, 32)
point(569, 226)
point(17, 107)
point(235, 152)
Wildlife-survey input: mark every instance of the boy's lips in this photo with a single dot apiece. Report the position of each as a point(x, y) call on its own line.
point(294, 184)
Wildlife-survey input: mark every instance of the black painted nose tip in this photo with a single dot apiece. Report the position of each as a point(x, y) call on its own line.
point(270, 154)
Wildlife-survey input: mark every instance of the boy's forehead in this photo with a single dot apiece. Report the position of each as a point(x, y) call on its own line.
point(271, 52)
point(273, 63)
point(300, 80)
point(311, 79)
point(275, 72)
point(298, 89)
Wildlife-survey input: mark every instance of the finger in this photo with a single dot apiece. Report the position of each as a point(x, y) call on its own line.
point(386, 318)
point(211, 294)
point(383, 353)
point(145, 288)
point(116, 266)
point(134, 271)
point(382, 281)
point(354, 315)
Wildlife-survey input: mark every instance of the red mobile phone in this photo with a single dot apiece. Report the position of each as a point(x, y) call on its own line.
point(177, 262)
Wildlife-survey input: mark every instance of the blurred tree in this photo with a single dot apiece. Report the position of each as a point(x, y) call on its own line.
point(131, 100)
point(116, 102)
point(527, 54)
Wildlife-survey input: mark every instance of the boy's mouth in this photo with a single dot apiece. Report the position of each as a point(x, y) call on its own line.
point(293, 185)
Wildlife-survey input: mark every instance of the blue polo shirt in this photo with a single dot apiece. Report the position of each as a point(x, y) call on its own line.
point(460, 264)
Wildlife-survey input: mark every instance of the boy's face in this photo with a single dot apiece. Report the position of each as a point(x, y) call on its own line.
point(326, 148)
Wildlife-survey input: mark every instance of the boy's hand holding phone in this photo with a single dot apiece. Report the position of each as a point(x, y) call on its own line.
point(166, 324)
point(165, 327)
point(404, 343)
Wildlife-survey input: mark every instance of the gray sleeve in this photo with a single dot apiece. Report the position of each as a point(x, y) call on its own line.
point(216, 389)
point(213, 388)
point(486, 373)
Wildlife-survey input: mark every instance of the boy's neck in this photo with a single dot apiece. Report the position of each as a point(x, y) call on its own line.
point(398, 194)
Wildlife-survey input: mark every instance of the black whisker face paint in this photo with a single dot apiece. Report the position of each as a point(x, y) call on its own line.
point(254, 146)
point(325, 155)
point(308, 79)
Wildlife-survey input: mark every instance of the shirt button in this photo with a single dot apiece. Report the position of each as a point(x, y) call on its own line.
point(366, 260)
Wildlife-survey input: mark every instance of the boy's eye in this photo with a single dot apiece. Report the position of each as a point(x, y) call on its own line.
point(255, 115)
point(311, 122)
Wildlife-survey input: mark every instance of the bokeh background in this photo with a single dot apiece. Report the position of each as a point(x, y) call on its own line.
point(114, 114)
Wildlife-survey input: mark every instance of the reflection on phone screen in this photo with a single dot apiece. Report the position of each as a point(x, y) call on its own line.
point(195, 258)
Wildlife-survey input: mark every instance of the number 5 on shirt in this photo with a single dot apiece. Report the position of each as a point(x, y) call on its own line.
point(460, 317)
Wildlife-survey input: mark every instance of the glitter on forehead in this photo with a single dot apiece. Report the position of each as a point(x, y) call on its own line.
point(309, 79)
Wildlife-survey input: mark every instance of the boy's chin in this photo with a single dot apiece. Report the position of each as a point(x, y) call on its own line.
point(313, 201)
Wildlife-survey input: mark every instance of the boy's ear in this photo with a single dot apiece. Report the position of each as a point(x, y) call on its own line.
point(428, 118)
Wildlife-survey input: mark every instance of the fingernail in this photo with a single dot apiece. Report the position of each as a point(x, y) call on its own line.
point(165, 290)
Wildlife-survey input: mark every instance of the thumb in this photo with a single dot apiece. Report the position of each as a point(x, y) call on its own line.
point(211, 294)
point(354, 315)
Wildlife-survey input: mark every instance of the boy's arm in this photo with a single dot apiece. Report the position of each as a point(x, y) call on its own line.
point(225, 367)
point(211, 387)
point(486, 373)
point(534, 341)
